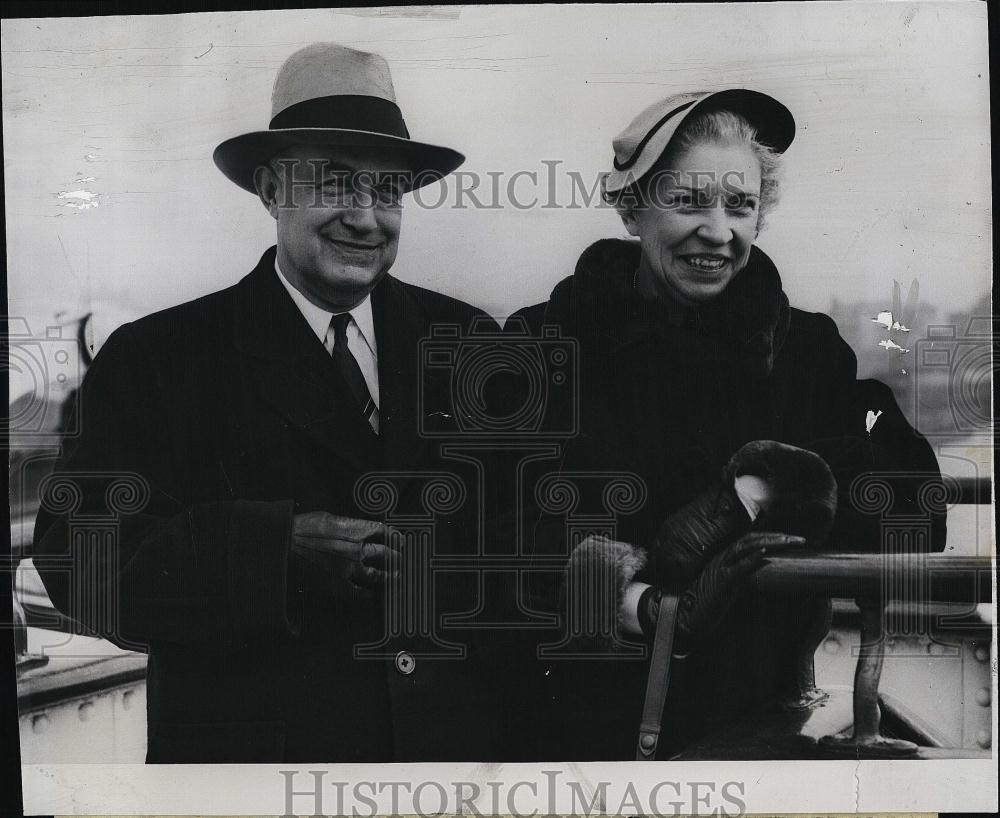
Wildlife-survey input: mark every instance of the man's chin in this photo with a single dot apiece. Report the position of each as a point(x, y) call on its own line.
point(351, 274)
point(354, 283)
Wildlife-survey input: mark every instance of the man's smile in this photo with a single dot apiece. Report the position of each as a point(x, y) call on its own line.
point(351, 245)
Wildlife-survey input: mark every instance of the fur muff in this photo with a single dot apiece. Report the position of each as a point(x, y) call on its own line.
point(804, 490)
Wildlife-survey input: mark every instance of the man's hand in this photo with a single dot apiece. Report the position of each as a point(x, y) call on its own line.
point(358, 555)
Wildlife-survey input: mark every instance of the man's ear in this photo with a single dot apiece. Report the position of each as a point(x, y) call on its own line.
point(267, 183)
point(628, 211)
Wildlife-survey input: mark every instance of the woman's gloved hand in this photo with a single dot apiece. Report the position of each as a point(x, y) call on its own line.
point(706, 601)
point(793, 489)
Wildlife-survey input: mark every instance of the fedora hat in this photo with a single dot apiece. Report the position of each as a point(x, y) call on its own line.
point(330, 95)
point(643, 142)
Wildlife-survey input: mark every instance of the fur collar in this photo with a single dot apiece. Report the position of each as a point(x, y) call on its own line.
point(753, 311)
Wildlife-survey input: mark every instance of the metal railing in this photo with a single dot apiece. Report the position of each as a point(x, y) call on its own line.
point(874, 581)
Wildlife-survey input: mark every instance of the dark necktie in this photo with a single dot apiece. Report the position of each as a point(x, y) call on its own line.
point(349, 370)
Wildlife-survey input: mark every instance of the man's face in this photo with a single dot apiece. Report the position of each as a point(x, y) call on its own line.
point(338, 212)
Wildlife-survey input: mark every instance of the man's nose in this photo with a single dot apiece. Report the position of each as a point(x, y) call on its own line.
point(715, 227)
point(359, 214)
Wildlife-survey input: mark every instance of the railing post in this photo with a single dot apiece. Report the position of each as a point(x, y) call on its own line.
point(818, 614)
point(905, 541)
point(24, 661)
point(864, 738)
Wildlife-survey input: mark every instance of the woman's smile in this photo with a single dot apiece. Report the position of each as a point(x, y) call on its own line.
point(697, 242)
point(705, 262)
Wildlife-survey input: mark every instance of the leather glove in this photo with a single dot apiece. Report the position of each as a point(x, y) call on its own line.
point(704, 604)
point(354, 555)
point(800, 498)
point(692, 535)
point(801, 491)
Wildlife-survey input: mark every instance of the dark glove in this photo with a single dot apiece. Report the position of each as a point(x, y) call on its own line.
point(802, 489)
point(691, 536)
point(354, 556)
point(704, 604)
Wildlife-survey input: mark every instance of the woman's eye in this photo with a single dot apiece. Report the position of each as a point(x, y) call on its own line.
point(737, 202)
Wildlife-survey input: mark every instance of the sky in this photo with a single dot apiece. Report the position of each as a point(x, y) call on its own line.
point(114, 206)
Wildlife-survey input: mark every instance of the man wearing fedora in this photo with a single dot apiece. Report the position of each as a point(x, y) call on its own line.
point(260, 452)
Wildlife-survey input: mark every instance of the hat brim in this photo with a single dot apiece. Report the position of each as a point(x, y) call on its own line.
point(238, 158)
point(773, 122)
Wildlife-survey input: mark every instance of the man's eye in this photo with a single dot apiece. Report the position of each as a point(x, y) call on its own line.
point(389, 194)
point(336, 184)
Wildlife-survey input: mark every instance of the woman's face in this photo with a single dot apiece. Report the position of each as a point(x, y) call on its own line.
point(699, 222)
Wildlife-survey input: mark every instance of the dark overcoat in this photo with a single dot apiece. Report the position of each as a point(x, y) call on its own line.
point(667, 395)
point(228, 414)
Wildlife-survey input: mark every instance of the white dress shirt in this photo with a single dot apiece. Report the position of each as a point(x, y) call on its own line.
point(360, 331)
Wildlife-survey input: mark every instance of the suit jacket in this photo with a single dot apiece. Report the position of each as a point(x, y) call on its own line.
point(205, 428)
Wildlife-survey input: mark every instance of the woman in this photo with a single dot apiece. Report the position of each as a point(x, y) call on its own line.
point(689, 351)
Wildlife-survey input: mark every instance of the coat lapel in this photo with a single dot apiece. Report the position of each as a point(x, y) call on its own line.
point(400, 323)
point(293, 372)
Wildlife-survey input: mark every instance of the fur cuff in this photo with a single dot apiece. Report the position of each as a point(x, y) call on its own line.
point(599, 570)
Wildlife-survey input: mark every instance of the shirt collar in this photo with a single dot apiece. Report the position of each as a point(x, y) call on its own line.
point(319, 319)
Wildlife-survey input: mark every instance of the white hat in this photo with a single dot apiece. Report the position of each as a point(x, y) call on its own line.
point(643, 142)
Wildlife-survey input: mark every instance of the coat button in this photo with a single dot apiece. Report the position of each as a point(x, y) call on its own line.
point(405, 663)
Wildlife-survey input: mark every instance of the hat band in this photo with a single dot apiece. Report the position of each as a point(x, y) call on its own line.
point(348, 112)
point(649, 135)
